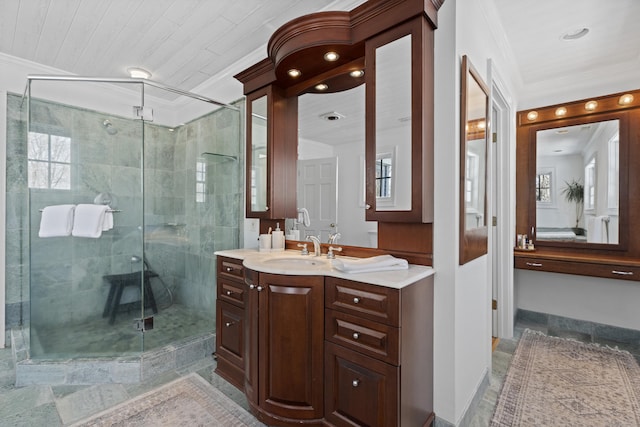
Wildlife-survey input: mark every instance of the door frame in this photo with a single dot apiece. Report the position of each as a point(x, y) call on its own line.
point(501, 248)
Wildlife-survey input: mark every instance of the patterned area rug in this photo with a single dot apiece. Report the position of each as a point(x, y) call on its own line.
point(189, 401)
point(559, 382)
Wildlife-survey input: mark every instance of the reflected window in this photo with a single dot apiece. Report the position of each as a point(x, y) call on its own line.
point(590, 185)
point(201, 181)
point(384, 172)
point(470, 183)
point(614, 172)
point(49, 161)
point(543, 187)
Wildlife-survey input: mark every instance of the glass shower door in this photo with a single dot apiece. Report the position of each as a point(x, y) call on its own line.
point(84, 156)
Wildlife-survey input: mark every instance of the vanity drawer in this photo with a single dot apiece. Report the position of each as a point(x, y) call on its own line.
point(230, 267)
point(363, 300)
point(231, 291)
point(365, 336)
point(610, 271)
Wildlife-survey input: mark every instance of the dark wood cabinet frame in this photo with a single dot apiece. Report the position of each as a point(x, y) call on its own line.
point(618, 261)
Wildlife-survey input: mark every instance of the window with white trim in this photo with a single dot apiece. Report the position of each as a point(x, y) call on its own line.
point(49, 161)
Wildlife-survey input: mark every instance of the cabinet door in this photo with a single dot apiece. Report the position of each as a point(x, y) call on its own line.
point(291, 346)
point(230, 342)
point(399, 130)
point(360, 391)
point(272, 154)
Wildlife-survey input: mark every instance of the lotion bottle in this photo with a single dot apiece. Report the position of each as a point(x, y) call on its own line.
point(277, 239)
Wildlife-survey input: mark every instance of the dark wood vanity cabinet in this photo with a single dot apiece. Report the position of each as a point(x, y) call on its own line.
point(284, 367)
point(230, 315)
point(378, 354)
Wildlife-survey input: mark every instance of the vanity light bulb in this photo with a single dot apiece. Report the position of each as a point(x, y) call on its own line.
point(532, 115)
point(481, 124)
point(625, 99)
point(294, 72)
point(591, 105)
point(561, 111)
point(322, 86)
point(331, 56)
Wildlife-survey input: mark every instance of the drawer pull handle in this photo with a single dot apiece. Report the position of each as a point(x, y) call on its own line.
point(229, 269)
point(356, 300)
point(229, 293)
point(228, 324)
point(355, 383)
point(623, 273)
point(534, 264)
point(356, 335)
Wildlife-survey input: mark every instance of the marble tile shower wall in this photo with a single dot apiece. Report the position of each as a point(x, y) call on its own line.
point(66, 273)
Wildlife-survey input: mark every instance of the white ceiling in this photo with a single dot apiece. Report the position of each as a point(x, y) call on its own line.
point(198, 45)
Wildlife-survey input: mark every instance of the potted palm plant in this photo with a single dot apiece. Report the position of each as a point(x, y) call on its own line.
point(574, 193)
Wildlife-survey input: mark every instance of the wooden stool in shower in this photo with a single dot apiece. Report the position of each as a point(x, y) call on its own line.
point(120, 281)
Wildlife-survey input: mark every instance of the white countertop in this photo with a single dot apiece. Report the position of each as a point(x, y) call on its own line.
point(255, 260)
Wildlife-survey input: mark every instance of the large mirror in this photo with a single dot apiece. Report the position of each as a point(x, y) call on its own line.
point(330, 187)
point(578, 183)
point(473, 163)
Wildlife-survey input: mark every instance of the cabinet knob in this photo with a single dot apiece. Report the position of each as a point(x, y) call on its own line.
point(356, 300)
point(229, 269)
point(229, 293)
point(252, 286)
point(266, 208)
point(259, 288)
point(228, 324)
point(355, 383)
point(367, 206)
point(356, 335)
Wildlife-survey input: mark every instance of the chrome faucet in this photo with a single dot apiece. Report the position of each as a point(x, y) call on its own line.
point(316, 245)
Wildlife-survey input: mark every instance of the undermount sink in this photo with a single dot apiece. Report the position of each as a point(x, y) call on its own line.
point(294, 261)
point(291, 264)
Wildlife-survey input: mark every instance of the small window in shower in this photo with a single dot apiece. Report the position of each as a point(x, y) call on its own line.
point(201, 181)
point(49, 161)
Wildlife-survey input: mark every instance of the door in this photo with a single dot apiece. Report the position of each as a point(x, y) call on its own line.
point(317, 193)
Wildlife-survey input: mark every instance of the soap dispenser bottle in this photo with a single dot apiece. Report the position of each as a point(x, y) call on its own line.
point(277, 239)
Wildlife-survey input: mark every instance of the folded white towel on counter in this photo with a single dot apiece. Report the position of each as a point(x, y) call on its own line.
point(89, 221)
point(56, 221)
point(369, 265)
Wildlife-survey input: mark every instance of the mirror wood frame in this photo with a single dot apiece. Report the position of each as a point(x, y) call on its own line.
point(473, 242)
point(608, 107)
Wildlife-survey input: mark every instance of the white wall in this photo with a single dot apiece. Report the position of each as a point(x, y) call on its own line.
point(462, 336)
point(607, 301)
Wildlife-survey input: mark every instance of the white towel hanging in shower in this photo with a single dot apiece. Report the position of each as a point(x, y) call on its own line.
point(56, 221)
point(89, 221)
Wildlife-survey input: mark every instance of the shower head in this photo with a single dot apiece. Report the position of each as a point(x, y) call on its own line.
point(109, 127)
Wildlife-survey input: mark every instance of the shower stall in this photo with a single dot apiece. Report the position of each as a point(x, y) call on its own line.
point(119, 191)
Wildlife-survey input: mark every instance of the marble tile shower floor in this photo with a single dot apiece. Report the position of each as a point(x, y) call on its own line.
point(97, 338)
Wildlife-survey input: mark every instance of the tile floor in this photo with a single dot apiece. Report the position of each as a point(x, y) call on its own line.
point(61, 405)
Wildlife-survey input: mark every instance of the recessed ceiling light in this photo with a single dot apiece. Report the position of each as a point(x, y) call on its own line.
point(294, 72)
point(332, 116)
point(331, 56)
point(322, 86)
point(357, 73)
point(562, 131)
point(575, 34)
point(138, 73)
point(557, 151)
